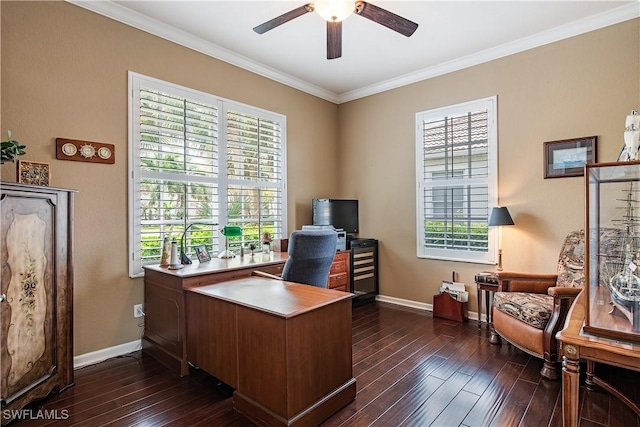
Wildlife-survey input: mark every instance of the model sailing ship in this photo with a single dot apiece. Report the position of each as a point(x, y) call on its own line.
point(631, 149)
point(622, 262)
point(624, 284)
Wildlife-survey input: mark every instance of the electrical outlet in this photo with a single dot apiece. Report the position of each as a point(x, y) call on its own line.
point(137, 310)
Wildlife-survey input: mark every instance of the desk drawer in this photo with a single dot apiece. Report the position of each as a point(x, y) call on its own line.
point(339, 272)
point(338, 266)
point(337, 280)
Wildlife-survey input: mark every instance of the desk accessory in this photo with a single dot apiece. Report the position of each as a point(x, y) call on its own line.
point(174, 263)
point(229, 231)
point(184, 258)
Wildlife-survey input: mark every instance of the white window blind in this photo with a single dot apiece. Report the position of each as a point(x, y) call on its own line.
point(255, 174)
point(198, 159)
point(456, 181)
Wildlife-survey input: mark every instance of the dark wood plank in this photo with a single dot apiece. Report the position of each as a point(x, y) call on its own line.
point(621, 415)
point(455, 412)
point(483, 378)
point(460, 351)
point(543, 403)
point(515, 405)
point(390, 349)
point(431, 408)
point(494, 396)
point(393, 339)
point(403, 408)
point(405, 376)
point(378, 407)
point(595, 406)
point(411, 369)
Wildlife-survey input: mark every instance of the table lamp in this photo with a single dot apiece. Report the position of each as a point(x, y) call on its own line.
point(229, 231)
point(499, 217)
point(184, 258)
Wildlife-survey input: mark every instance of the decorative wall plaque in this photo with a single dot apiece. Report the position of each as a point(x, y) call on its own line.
point(84, 151)
point(34, 173)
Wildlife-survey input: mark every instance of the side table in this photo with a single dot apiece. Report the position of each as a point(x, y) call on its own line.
point(577, 346)
point(486, 283)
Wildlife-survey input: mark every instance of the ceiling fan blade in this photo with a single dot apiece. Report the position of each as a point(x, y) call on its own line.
point(285, 17)
point(334, 40)
point(386, 18)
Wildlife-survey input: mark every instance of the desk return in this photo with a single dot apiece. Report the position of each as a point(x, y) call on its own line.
point(285, 348)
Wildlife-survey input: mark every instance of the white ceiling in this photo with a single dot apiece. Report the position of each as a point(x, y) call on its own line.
point(451, 35)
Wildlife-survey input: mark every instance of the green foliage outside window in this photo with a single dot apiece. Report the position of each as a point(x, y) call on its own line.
point(152, 240)
point(473, 236)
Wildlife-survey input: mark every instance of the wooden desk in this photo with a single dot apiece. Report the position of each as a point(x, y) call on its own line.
point(576, 345)
point(284, 347)
point(164, 300)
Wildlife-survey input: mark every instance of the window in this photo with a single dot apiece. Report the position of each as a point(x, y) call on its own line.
point(456, 171)
point(198, 159)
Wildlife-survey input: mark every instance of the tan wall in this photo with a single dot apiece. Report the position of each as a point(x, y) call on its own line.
point(578, 87)
point(64, 74)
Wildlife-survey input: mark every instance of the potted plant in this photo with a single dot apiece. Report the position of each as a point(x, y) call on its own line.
point(11, 149)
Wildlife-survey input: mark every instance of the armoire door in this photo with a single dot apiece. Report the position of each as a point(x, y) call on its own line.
point(37, 292)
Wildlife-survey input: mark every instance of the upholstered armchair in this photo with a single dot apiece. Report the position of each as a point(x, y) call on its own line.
point(529, 309)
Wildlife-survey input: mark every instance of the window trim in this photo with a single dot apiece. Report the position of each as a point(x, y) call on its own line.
point(135, 81)
point(491, 106)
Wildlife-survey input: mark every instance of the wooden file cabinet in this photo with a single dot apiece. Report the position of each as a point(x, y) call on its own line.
point(339, 273)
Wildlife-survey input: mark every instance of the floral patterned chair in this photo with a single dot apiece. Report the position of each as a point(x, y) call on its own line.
point(529, 309)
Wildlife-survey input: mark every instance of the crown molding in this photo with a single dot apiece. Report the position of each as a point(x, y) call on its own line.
point(121, 14)
point(134, 19)
point(592, 23)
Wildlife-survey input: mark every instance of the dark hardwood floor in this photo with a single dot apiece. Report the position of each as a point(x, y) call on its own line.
point(411, 370)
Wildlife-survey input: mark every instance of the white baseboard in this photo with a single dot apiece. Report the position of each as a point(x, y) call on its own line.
point(106, 353)
point(417, 305)
point(129, 347)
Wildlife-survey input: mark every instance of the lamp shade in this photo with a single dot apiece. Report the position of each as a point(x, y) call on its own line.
point(232, 231)
point(229, 231)
point(500, 216)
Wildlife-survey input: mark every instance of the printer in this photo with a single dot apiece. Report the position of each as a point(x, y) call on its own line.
point(341, 244)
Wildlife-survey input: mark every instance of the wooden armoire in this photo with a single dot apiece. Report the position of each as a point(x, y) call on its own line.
point(36, 251)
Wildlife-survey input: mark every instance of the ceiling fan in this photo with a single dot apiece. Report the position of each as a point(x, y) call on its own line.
point(334, 12)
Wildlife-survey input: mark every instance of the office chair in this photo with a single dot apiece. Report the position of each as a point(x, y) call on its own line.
point(311, 254)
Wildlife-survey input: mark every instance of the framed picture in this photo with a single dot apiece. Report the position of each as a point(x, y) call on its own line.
point(568, 157)
point(34, 173)
point(202, 253)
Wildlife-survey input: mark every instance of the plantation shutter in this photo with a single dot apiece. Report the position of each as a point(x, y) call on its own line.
point(197, 159)
point(456, 177)
point(177, 164)
point(255, 174)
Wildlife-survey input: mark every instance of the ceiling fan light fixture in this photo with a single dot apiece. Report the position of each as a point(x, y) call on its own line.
point(334, 10)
